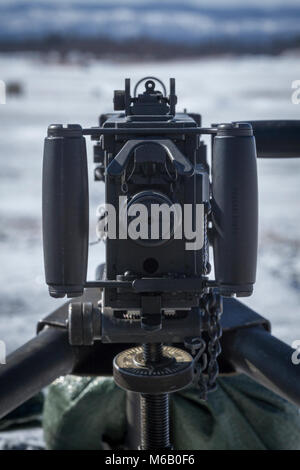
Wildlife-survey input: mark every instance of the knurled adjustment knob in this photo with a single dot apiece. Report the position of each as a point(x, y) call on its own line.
point(84, 324)
point(173, 373)
point(119, 100)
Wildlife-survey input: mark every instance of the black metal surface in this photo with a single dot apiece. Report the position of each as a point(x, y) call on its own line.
point(153, 352)
point(173, 330)
point(277, 139)
point(235, 209)
point(192, 284)
point(44, 358)
point(265, 358)
point(235, 315)
point(112, 284)
point(97, 131)
point(34, 366)
point(65, 211)
point(247, 346)
point(59, 317)
point(155, 422)
point(153, 171)
point(119, 163)
point(154, 414)
point(84, 324)
point(172, 373)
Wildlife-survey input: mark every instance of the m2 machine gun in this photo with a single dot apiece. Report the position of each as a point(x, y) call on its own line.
point(154, 316)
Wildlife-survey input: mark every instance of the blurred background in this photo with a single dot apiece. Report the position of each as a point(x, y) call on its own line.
point(61, 61)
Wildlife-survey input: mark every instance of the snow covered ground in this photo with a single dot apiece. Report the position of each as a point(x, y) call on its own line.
point(172, 20)
point(27, 439)
point(77, 92)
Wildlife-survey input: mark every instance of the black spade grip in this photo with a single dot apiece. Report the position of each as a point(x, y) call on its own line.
point(65, 210)
point(235, 208)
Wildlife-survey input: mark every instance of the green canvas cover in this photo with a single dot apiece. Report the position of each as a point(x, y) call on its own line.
point(88, 413)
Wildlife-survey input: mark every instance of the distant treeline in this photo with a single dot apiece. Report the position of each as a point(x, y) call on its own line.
point(148, 49)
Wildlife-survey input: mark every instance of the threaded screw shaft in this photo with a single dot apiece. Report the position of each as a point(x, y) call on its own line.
point(155, 432)
point(155, 420)
point(153, 352)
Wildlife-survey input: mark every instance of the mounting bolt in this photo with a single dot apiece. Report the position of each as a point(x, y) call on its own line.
point(84, 324)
